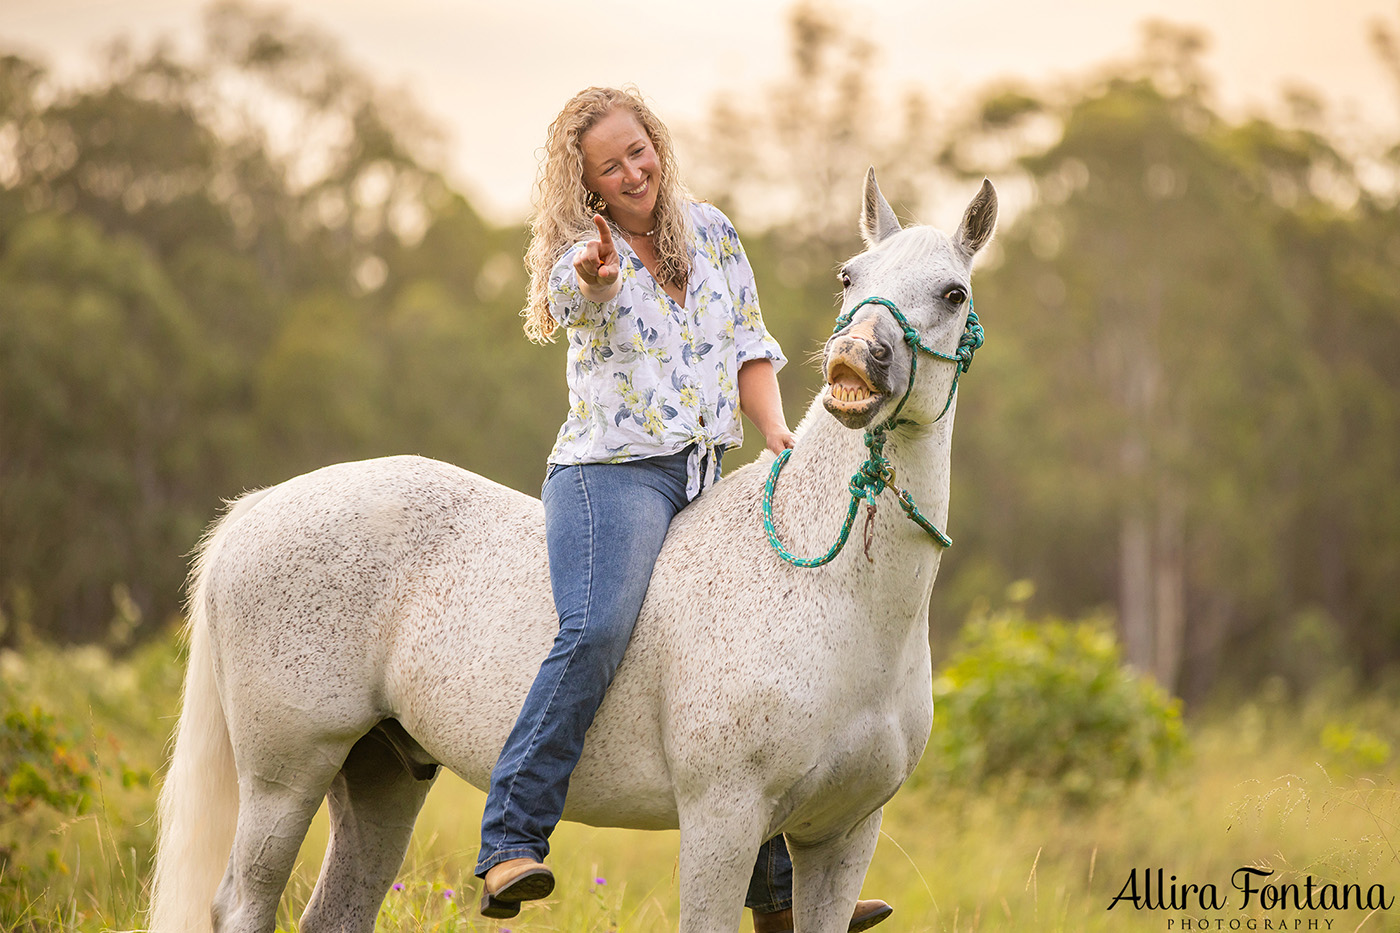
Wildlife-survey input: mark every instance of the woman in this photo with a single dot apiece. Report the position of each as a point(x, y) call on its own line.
point(666, 346)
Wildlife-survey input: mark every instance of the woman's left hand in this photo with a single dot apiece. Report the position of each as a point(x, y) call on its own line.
point(781, 440)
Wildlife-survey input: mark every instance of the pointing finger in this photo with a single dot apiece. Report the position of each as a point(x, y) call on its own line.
point(604, 232)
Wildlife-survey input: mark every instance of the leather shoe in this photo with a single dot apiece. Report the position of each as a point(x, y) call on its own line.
point(508, 883)
point(865, 916)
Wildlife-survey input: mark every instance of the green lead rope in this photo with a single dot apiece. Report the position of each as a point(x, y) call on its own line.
point(876, 473)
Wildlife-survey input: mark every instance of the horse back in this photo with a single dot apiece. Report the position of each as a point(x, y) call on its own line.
point(376, 589)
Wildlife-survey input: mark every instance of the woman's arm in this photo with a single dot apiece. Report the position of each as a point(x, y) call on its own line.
point(760, 400)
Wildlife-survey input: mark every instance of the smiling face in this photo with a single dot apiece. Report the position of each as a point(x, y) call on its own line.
point(620, 165)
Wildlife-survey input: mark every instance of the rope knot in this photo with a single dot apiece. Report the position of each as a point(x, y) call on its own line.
point(872, 476)
point(970, 342)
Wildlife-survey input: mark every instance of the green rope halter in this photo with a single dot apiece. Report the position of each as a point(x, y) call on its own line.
point(871, 478)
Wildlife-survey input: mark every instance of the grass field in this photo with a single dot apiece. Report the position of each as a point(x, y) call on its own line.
point(1302, 788)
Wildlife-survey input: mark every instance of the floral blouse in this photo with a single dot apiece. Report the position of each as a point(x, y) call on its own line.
point(648, 377)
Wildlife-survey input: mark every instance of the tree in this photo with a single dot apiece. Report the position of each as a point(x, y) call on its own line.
point(100, 361)
point(193, 306)
point(1167, 360)
point(1190, 356)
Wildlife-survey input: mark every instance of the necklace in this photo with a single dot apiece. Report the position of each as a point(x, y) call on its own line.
point(629, 234)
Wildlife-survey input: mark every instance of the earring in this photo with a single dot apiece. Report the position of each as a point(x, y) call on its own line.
point(595, 203)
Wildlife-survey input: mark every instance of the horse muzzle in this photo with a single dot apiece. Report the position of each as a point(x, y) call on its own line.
point(857, 370)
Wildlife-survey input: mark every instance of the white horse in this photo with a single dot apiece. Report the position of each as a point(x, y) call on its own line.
point(356, 627)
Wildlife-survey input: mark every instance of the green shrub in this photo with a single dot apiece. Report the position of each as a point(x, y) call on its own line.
point(1047, 707)
point(80, 734)
point(44, 762)
point(44, 766)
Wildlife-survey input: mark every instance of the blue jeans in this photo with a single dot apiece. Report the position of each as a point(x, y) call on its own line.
point(604, 524)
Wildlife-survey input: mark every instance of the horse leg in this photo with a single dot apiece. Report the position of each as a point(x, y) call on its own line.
point(718, 840)
point(373, 803)
point(827, 877)
point(275, 807)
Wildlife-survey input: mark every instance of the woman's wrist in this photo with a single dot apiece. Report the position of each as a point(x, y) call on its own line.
point(600, 294)
point(773, 427)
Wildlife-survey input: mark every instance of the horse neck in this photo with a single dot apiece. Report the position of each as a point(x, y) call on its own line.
point(814, 491)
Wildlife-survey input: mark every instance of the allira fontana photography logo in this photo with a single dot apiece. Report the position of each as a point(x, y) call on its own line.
point(1252, 900)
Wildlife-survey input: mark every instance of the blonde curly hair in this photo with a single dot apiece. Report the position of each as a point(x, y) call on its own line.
point(563, 215)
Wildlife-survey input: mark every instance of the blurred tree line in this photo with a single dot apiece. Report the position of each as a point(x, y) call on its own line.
point(1188, 407)
point(1187, 411)
point(196, 299)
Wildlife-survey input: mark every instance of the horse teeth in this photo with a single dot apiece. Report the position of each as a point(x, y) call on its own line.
point(850, 393)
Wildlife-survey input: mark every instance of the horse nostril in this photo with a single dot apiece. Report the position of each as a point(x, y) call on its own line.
point(879, 351)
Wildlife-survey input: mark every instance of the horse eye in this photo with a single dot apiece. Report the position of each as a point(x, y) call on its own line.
point(955, 295)
point(845, 280)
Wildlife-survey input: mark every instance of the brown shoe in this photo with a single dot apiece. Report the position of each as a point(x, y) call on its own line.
point(865, 916)
point(508, 883)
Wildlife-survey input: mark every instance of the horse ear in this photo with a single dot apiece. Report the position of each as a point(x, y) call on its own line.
point(979, 221)
point(877, 219)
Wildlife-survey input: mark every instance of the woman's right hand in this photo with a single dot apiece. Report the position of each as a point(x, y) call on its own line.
point(597, 264)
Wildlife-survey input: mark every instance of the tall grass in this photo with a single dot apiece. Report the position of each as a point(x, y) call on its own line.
point(1302, 788)
point(84, 869)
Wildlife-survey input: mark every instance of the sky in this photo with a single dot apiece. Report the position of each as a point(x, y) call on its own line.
point(494, 74)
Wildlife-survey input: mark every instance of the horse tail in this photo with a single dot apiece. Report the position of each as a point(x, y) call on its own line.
point(198, 808)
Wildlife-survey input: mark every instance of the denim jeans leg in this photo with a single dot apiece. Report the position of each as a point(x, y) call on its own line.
point(770, 888)
point(604, 526)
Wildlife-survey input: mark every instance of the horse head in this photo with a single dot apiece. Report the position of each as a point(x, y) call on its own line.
point(909, 291)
